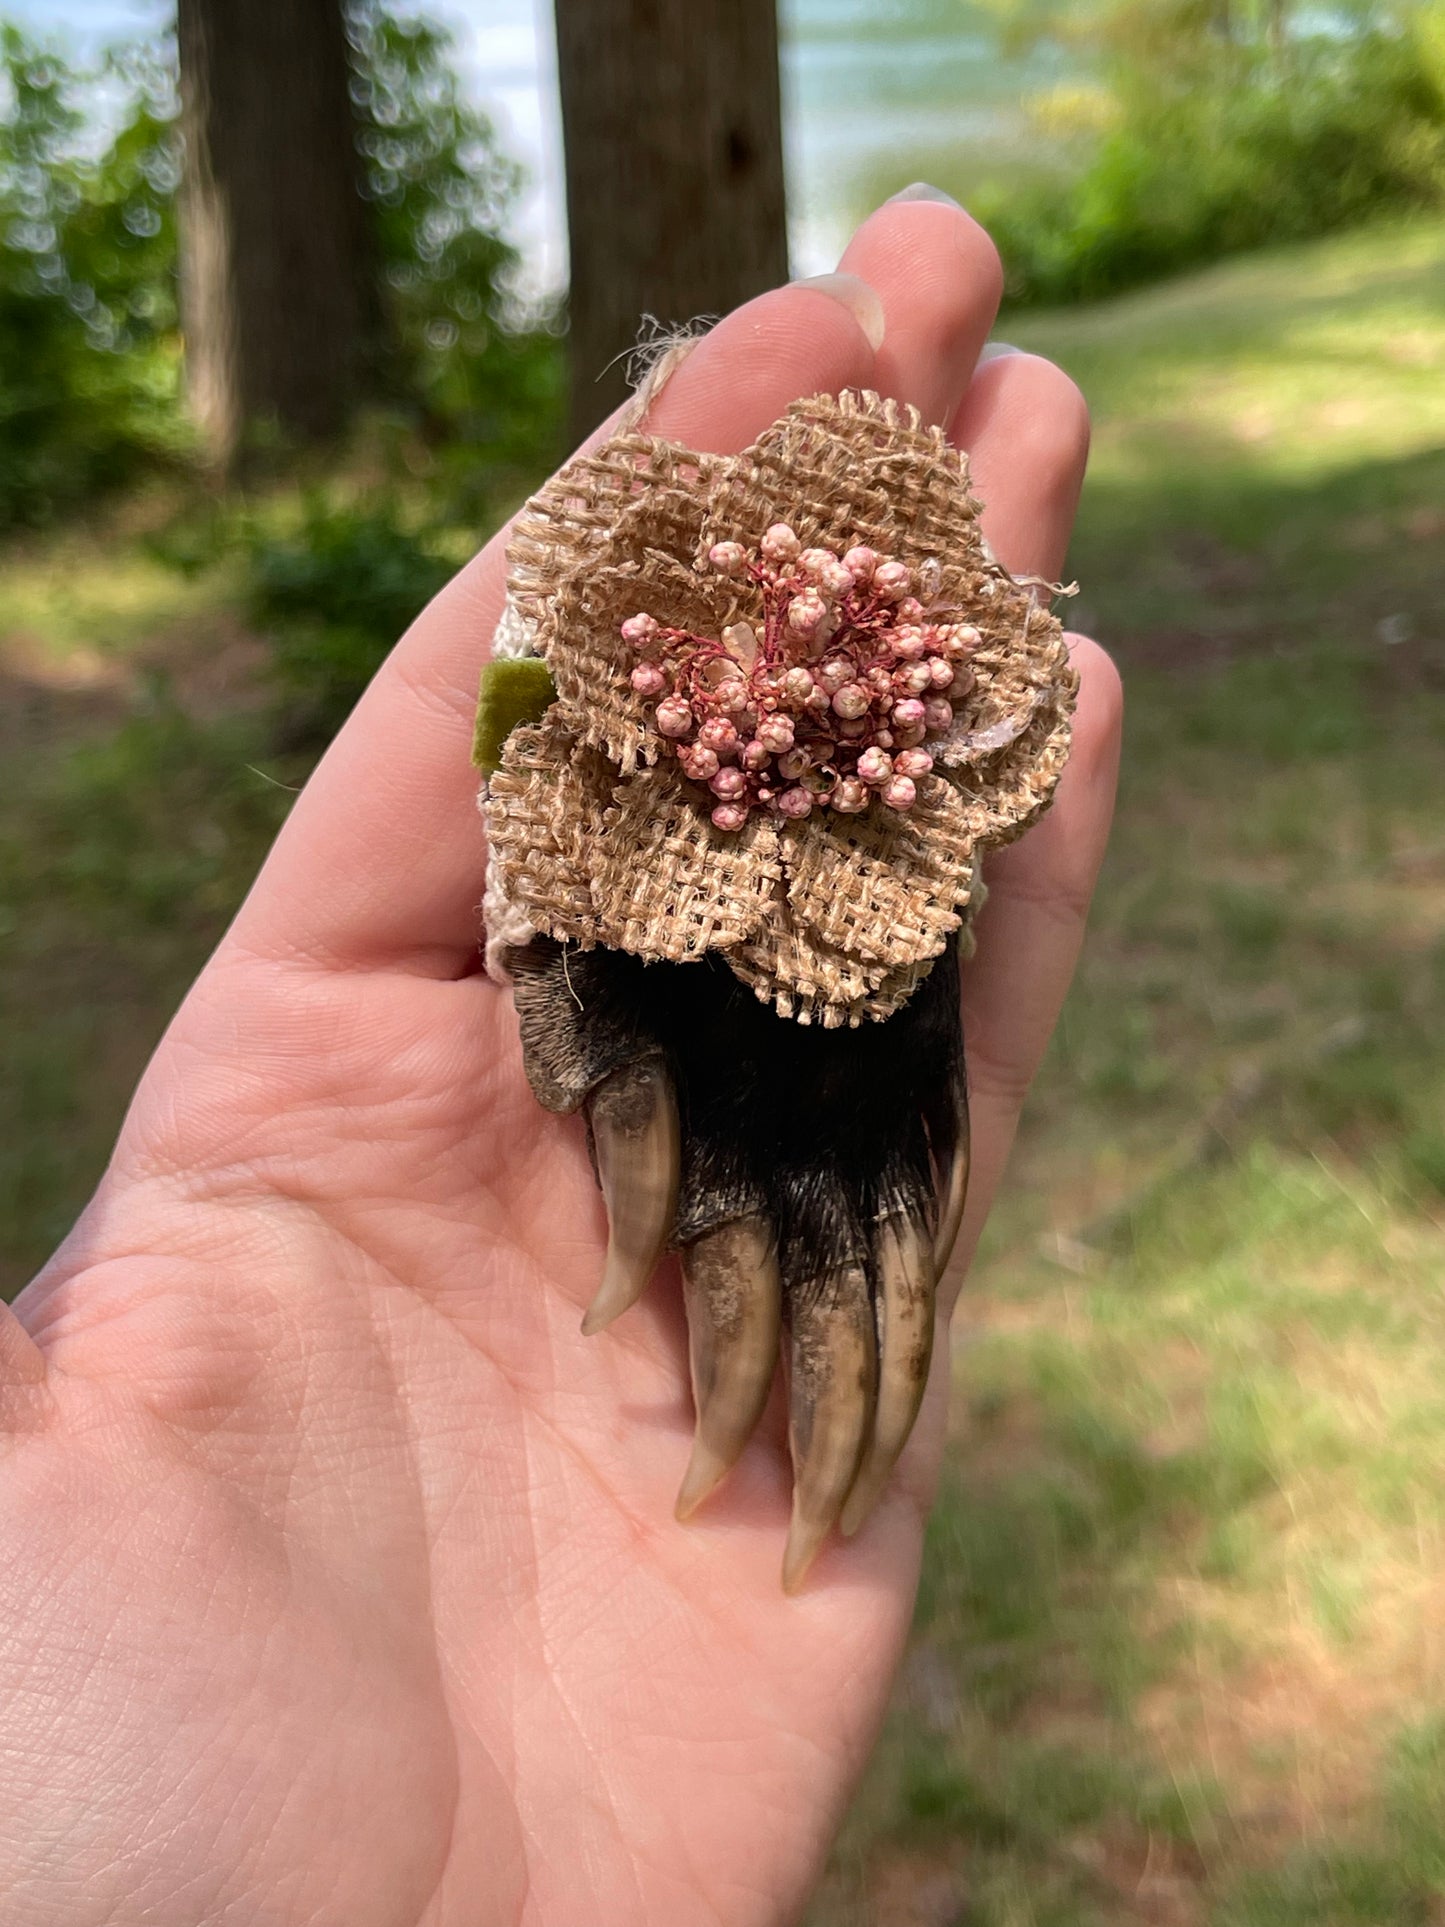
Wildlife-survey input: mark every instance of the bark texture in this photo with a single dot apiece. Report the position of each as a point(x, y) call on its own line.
point(675, 205)
point(278, 301)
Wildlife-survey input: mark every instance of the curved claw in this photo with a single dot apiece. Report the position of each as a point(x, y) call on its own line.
point(831, 1402)
point(953, 1188)
point(905, 1346)
point(635, 1136)
point(734, 1312)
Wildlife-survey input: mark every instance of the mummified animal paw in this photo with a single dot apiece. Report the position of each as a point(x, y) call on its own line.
point(806, 1188)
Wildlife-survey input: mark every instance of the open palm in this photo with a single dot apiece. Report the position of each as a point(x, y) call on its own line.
point(339, 1583)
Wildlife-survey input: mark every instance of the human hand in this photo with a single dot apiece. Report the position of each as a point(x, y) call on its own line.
point(340, 1578)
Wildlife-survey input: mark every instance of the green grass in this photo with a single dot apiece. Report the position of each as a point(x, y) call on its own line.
point(1176, 1658)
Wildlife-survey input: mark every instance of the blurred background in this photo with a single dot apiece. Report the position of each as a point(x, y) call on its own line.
point(289, 321)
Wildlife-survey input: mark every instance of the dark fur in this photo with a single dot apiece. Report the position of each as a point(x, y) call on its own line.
point(822, 1131)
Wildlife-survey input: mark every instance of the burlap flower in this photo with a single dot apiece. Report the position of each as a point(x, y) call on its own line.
point(598, 835)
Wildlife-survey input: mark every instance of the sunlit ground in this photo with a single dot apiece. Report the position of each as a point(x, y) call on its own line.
point(1180, 1646)
point(1180, 1654)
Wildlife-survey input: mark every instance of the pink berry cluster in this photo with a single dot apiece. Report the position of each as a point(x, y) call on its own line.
point(825, 703)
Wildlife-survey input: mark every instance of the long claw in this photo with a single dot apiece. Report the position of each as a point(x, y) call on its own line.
point(831, 1398)
point(953, 1189)
point(635, 1136)
point(905, 1345)
point(734, 1311)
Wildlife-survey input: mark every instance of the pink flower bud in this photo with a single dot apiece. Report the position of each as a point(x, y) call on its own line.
point(729, 784)
point(639, 629)
point(793, 764)
point(900, 794)
point(940, 672)
point(961, 686)
point(718, 735)
point(699, 763)
point(730, 816)
point(914, 679)
point(674, 717)
point(910, 643)
point(819, 701)
point(648, 679)
point(908, 713)
point(851, 701)
point(813, 562)
point(795, 802)
point(860, 562)
point(833, 673)
point(732, 696)
point(727, 557)
point(755, 755)
point(892, 579)
point(937, 713)
point(806, 613)
point(849, 796)
point(776, 734)
point(910, 609)
point(909, 738)
point(854, 728)
point(797, 685)
point(875, 766)
point(965, 635)
point(780, 544)
point(912, 762)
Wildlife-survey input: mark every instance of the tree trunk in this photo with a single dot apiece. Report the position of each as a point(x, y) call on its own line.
point(675, 208)
point(278, 302)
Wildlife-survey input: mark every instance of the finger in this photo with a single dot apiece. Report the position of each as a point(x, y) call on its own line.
point(734, 1304)
point(905, 1346)
point(381, 860)
point(1025, 427)
point(636, 1140)
point(940, 279)
point(1030, 931)
point(831, 1391)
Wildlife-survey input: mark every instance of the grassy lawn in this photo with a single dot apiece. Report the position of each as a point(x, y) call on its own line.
point(1179, 1655)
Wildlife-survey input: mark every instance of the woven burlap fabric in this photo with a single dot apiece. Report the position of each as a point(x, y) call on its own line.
point(834, 919)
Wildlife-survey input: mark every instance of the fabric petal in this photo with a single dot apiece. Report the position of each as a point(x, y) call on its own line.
point(666, 883)
point(579, 519)
point(592, 665)
point(854, 468)
point(884, 887)
point(543, 811)
point(788, 966)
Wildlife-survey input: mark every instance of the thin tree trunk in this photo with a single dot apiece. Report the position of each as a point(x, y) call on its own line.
point(675, 206)
point(277, 293)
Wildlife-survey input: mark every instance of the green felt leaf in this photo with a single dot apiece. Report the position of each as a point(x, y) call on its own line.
point(518, 689)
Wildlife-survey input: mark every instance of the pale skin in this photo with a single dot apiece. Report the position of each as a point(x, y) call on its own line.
point(339, 1580)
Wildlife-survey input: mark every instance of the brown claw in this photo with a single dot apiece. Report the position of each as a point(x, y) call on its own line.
point(831, 1400)
point(635, 1136)
point(905, 1346)
point(734, 1311)
point(953, 1191)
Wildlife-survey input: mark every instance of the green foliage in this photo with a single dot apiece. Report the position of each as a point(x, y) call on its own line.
point(88, 361)
point(1217, 140)
point(334, 593)
point(441, 190)
point(89, 343)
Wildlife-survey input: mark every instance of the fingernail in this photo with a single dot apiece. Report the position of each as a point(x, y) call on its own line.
point(857, 297)
point(996, 350)
point(922, 191)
